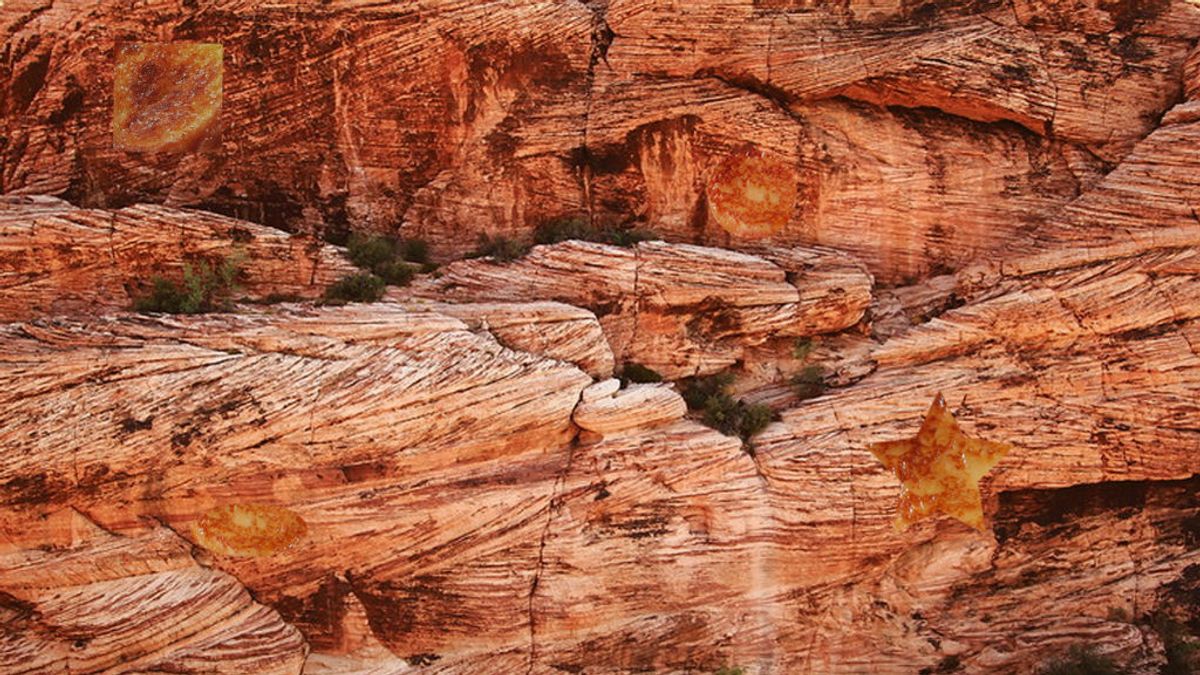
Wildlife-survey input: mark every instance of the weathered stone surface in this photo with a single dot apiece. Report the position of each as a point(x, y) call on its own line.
point(1080, 357)
point(332, 111)
point(942, 129)
point(57, 259)
point(475, 503)
point(676, 308)
point(637, 407)
point(361, 420)
point(550, 329)
point(89, 601)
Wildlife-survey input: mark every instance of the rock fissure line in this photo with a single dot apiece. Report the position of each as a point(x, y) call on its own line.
point(552, 508)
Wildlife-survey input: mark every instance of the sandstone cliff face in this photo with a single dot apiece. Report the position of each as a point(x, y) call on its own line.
point(943, 129)
point(680, 310)
point(481, 496)
point(91, 601)
point(60, 259)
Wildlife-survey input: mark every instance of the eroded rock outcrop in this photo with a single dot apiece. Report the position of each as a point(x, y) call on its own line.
point(678, 309)
point(58, 259)
point(475, 501)
point(360, 420)
point(84, 600)
point(607, 410)
point(550, 329)
point(944, 129)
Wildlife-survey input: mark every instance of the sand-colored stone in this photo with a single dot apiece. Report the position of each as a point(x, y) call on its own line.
point(57, 259)
point(942, 131)
point(676, 308)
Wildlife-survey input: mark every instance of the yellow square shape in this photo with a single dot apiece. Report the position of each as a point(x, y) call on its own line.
point(166, 96)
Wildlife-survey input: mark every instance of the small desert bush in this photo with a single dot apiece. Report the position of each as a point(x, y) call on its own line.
point(733, 417)
point(639, 374)
point(801, 348)
point(578, 228)
point(360, 287)
point(809, 382)
point(1182, 650)
point(395, 261)
point(206, 287)
point(499, 248)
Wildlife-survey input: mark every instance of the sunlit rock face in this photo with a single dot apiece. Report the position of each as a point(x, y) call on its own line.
point(994, 200)
point(940, 130)
point(166, 96)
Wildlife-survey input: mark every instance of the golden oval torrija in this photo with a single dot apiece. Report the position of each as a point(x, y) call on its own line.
point(248, 530)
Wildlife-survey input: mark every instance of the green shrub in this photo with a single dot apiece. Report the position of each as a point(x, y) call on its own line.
point(627, 238)
point(394, 272)
point(563, 229)
point(206, 287)
point(1081, 661)
point(801, 348)
point(499, 248)
point(367, 252)
point(415, 251)
point(578, 228)
point(639, 374)
point(698, 390)
point(809, 382)
point(1180, 647)
point(734, 417)
point(360, 287)
point(386, 257)
point(756, 417)
point(721, 411)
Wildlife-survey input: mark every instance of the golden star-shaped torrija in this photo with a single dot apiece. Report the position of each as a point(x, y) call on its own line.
point(939, 470)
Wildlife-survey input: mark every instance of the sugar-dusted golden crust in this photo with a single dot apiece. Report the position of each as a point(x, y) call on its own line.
point(248, 530)
point(166, 96)
point(752, 194)
point(939, 470)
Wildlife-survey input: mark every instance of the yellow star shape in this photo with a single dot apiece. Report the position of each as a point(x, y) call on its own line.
point(939, 470)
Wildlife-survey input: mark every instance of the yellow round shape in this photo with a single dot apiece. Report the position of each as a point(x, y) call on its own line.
point(248, 530)
point(752, 195)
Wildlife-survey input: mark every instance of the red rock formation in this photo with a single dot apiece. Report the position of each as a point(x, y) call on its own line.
point(55, 258)
point(86, 600)
point(678, 309)
point(944, 129)
point(479, 494)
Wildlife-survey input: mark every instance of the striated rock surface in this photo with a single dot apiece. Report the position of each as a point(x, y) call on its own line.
point(676, 308)
point(944, 130)
point(1020, 176)
point(639, 406)
point(58, 259)
point(86, 600)
point(359, 420)
point(550, 329)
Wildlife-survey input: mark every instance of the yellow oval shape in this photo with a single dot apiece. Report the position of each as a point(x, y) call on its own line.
point(752, 195)
point(248, 530)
